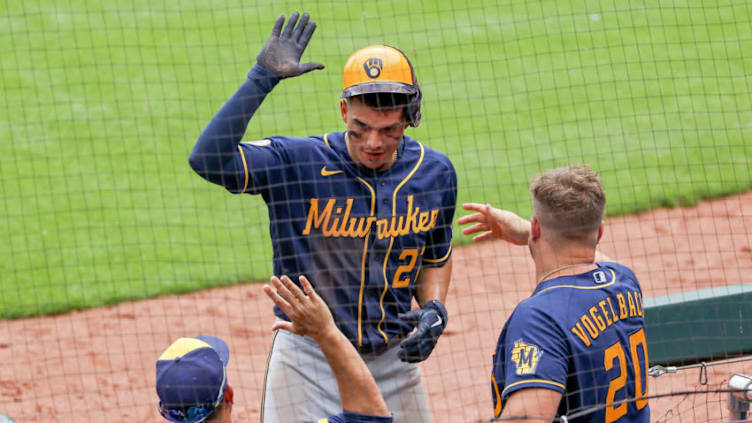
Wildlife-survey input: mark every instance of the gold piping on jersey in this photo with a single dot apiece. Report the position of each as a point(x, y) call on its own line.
point(245, 166)
point(326, 140)
point(363, 265)
point(324, 420)
point(548, 382)
point(391, 242)
point(383, 293)
point(439, 260)
point(613, 279)
point(404, 181)
point(497, 409)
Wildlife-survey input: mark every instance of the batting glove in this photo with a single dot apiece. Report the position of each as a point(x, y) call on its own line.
point(282, 51)
point(430, 322)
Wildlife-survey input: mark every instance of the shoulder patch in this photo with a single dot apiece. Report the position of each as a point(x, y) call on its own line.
point(525, 357)
point(259, 143)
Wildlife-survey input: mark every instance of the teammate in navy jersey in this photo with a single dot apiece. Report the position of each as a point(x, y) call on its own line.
point(576, 347)
point(365, 214)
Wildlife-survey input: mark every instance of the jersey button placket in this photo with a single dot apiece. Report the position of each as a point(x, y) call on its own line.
point(384, 200)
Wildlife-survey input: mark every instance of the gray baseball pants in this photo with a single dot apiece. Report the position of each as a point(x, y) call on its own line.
point(300, 386)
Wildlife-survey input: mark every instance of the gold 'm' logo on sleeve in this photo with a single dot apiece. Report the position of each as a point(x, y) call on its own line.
point(525, 357)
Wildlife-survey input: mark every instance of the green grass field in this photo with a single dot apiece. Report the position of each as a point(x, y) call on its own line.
point(103, 102)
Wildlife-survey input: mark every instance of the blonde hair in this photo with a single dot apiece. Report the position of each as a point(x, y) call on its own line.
point(570, 201)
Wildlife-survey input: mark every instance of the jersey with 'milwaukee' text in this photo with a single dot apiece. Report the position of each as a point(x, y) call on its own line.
point(583, 336)
point(361, 237)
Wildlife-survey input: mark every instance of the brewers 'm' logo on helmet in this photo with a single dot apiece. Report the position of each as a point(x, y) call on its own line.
point(382, 69)
point(373, 67)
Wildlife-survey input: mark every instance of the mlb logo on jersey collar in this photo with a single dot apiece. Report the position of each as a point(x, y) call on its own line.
point(600, 277)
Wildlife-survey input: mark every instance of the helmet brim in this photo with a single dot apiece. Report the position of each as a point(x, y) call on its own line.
point(379, 87)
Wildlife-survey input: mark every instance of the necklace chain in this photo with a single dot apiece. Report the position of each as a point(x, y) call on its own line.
point(566, 266)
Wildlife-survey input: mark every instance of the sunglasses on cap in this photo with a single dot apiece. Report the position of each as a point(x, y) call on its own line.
point(196, 413)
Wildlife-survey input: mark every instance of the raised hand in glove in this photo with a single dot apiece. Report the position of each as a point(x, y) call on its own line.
point(282, 51)
point(429, 322)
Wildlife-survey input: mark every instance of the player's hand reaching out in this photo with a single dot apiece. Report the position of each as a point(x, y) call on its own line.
point(495, 223)
point(282, 51)
point(308, 313)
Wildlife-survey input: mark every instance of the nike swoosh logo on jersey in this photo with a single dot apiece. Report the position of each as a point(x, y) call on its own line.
point(325, 172)
point(437, 323)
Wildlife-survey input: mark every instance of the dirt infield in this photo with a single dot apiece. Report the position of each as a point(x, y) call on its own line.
point(98, 365)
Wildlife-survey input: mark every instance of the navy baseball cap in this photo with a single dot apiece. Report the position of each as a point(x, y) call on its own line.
point(192, 378)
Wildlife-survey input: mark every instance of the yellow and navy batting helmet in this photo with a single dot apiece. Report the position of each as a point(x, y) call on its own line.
point(383, 69)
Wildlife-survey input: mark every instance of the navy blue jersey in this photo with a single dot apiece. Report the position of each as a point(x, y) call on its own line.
point(361, 237)
point(581, 335)
point(346, 417)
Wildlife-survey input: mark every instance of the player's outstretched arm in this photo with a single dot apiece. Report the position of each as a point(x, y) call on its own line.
point(215, 156)
point(495, 223)
point(311, 317)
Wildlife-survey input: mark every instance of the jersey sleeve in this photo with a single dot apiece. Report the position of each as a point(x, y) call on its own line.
point(439, 240)
point(217, 156)
point(265, 164)
point(533, 352)
point(347, 417)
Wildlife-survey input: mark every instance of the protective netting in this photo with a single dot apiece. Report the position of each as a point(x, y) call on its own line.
point(114, 246)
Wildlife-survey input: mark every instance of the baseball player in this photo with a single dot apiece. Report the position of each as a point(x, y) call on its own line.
point(192, 377)
point(576, 348)
point(365, 214)
point(192, 381)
